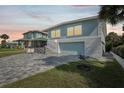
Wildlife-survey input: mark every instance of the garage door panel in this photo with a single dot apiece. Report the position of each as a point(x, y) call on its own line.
point(76, 48)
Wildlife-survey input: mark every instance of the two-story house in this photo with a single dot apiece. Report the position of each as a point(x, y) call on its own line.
point(84, 36)
point(33, 40)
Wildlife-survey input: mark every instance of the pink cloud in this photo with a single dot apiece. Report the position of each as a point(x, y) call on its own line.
point(14, 35)
point(14, 31)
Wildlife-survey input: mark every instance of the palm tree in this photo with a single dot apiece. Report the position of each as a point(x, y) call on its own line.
point(112, 14)
point(4, 36)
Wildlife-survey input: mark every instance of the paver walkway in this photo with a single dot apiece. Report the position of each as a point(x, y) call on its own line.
point(19, 66)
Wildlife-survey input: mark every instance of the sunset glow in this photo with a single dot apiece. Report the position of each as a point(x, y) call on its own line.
point(15, 20)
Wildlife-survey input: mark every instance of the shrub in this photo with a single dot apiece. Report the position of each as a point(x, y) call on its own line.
point(114, 39)
point(119, 50)
point(108, 47)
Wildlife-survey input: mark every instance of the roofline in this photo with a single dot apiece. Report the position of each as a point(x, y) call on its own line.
point(31, 39)
point(34, 31)
point(72, 21)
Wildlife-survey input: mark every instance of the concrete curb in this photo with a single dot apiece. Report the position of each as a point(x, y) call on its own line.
point(119, 59)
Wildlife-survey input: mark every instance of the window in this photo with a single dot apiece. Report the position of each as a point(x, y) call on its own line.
point(77, 30)
point(70, 31)
point(74, 31)
point(55, 34)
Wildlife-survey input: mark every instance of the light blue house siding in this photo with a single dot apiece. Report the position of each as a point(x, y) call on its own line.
point(87, 28)
point(33, 39)
point(34, 35)
point(88, 43)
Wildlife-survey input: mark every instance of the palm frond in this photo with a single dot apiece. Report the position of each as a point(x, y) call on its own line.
point(113, 14)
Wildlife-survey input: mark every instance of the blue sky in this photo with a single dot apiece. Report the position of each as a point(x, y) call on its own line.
point(43, 16)
point(15, 20)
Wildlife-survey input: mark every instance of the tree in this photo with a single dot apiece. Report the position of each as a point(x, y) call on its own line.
point(122, 38)
point(4, 37)
point(112, 14)
point(113, 39)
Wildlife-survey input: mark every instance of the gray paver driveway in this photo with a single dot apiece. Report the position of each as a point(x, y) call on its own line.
point(19, 66)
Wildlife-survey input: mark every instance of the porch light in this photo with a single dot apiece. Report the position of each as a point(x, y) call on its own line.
point(55, 40)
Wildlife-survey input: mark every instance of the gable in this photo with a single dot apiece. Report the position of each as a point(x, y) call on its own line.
point(34, 35)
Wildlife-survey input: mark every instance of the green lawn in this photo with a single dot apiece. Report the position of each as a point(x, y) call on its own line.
point(99, 74)
point(7, 52)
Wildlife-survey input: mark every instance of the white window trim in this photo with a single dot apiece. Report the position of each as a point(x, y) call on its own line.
point(74, 30)
point(55, 33)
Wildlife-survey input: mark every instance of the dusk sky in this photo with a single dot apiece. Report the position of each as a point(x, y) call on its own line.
point(15, 20)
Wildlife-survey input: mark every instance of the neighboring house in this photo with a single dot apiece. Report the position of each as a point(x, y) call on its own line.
point(33, 40)
point(12, 44)
point(84, 36)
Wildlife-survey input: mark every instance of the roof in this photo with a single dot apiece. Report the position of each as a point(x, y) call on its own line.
point(33, 31)
point(69, 22)
point(11, 42)
point(39, 39)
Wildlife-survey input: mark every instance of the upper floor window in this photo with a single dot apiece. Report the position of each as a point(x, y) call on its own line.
point(70, 31)
point(55, 33)
point(74, 31)
point(78, 30)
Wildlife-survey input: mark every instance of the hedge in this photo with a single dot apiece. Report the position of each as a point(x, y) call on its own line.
point(108, 47)
point(119, 50)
